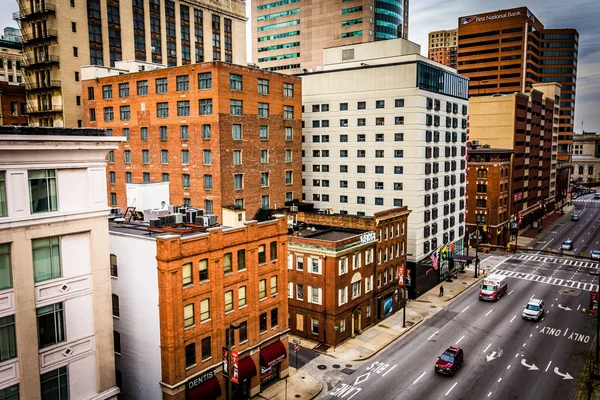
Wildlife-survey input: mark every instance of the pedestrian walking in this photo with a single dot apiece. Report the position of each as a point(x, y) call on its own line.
point(441, 290)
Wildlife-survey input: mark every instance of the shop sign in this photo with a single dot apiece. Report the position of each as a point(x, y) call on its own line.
point(199, 380)
point(234, 366)
point(401, 275)
point(594, 302)
point(225, 360)
point(368, 237)
point(266, 372)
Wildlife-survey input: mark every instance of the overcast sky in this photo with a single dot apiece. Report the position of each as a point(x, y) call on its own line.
point(430, 15)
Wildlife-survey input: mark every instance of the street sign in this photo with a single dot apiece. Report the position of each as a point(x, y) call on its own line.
point(401, 275)
point(296, 341)
point(594, 302)
point(234, 366)
point(296, 347)
point(513, 225)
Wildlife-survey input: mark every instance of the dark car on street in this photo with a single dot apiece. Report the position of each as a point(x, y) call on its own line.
point(450, 361)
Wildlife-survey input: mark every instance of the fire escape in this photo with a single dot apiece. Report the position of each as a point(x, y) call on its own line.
point(34, 18)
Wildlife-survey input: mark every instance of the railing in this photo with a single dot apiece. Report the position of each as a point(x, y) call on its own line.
point(51, 108)
point(51, 59)
point(29, 12)
point(47, 35)
point(42, 85)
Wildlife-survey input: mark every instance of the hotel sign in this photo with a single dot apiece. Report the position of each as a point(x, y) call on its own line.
point(491, 17)
point(368, 237)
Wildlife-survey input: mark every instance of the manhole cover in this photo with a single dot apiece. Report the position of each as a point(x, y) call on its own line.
point(322, 366)
point(465, 283)
point(349, 365)
point(297, 396)
point(433, 306)
point(348, 371)
point(336, 366)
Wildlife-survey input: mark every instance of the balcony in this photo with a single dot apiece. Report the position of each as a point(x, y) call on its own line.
point(28, 13)
point(40, 61)
point(42, 86)
point(48, 109)
point(49, 34)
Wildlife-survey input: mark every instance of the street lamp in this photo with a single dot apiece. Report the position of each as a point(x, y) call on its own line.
point(476, 249)
point(230, 338)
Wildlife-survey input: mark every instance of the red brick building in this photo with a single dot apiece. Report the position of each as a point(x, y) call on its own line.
point(12, 104)
point(331, 282)
point(207, 280)
point(492, 169)
point(222, 134)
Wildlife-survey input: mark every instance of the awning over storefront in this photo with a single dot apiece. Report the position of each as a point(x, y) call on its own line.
point(209, 390)
point(272, 354)
point(463, 258)
point(246, 369)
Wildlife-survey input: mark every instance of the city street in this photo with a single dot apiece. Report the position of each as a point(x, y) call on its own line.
point(506, 357)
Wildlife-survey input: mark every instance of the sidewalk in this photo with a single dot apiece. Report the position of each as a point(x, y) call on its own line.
point(300, 385)
point(379, 336)
point(529, 235)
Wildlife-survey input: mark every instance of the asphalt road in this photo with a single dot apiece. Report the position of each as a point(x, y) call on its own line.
point(585, 233)
point(506, 357)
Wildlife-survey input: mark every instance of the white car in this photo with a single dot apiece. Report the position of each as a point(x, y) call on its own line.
point(534, 310)
point(596, 254)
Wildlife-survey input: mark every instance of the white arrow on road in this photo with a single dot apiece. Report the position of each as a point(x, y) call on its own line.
point(491, 356)
point(564, 308)
point(531, 367)
point(565, 376)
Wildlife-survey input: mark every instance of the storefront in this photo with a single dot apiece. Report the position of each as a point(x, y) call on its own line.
point(246, 371)
point(203, 387)
point(270, 360)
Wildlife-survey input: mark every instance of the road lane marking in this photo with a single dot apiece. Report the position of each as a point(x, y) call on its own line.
point(434, 333)
point(546, 370)
point(509, 366)
point(578, 307)
point(465, 309)
point(420, 376)
point(488, 346)
point(513, 318)
point(524, 344)
point(489, 312)
point(386, 372)
point(463, 336)
point(531, 335)
point(509, 293)
point(448, 392)
point(517, 355)
point(499, 379)
point(489, 394)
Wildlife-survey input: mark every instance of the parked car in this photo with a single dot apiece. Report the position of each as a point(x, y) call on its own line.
point(574, 217)
point(596, 254)
point(534, 310)
point(450, 361)
point(567, 245)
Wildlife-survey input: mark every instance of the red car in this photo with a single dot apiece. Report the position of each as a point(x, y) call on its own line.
point(450, 361)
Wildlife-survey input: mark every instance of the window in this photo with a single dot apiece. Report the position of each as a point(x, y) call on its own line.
point(228, 301)
point(273, 251)
point(187, 274)
point(117, 342)
point(207, 157)
point(399, 120)
point(107, 92)
point(262, 254)
point(162, 110)
point(263, 110)
point(288, 90)
point(238, 181)
point(51, 325)
point(235, 82)
point(241, 296)
point(205, 80)
point(190, 355)
point(380, 104)
point(145, 156)
point(54, 384)
point(274, 317)
point(46, 258)
point(288, 112)
point(262, 288)
point(274, 285)
point(185, 180)
point(227, 263)
point(206, 349)
point(142, 88)
point(243, 332)
point(205, 106)
point(208, 183)
point(161, 85)
point(8, 342)
point(289, 177)
point(183, 108)
point(124, 89)
point(183, 83)
point(205, 131)
point(264, 179)
point(300, 292)
point(398, 153)
point(204, 310)
point(263, 86)
point(235, 107)
point(203, 266)
point(264, 132)
point(314, 323)
point(262, 323)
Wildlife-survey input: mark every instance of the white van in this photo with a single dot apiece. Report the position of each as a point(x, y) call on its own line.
point(493, 287)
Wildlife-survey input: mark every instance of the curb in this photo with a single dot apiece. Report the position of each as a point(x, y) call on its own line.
point(319, 392)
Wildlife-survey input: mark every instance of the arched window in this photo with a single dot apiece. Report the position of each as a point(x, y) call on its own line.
point(590, 170)
point(117, 340)
point(581, 170)
point(114, 271)
point(115, 305)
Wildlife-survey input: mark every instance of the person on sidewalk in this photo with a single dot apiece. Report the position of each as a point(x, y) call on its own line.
point(441, 290)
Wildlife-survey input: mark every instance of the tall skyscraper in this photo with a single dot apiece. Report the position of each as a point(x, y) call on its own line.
point(508, 51)
point(290, 35)
point(59, 37)
point(442, 47)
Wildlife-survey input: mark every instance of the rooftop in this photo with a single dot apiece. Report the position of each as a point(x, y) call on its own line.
point(138, 228)
point(10, 44)
point(328, 233)
point(490, 150)
point(50, 131)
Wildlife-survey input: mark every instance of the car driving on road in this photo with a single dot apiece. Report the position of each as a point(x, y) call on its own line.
point(534, 310)
point(450, 361)
point(567, 245)
point(574, 217)
point(596, 254)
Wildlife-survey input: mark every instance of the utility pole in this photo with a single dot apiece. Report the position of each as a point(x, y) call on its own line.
point(232, 328)
point(597, 322)
point(477, 249)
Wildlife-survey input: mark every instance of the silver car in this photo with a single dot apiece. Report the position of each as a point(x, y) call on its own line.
point(534, 310)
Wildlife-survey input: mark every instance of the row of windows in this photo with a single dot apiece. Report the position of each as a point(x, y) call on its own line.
point(43, 195)
point(379, 121)
point(236, 132)
point(378, 201)
point(447, 237)
point(361, 105)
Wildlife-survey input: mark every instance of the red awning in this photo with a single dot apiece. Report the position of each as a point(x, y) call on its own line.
point(209, 390)
point(246, 369)
point(272, 354)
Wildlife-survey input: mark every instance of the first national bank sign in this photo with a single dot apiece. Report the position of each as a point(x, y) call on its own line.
point(491, 17)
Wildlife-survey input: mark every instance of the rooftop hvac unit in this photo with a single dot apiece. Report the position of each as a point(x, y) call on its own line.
point(173, 209)
point(116, 211)
point(154, 213)
point(212, 219)
point(190, 217)
point(200, 212)
point(154, 223)
point(178, 218)
point(163, 220)
point(181, 210)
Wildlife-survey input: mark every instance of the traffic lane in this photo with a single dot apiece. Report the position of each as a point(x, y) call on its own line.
point(574, 270)
point(558, 337)
point(580, 231)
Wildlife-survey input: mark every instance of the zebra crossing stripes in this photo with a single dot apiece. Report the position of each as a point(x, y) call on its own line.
point(586, 201)
point(552, 281)
point(548, 260)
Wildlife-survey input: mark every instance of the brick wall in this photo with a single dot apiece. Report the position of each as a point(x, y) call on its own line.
point(12, 94)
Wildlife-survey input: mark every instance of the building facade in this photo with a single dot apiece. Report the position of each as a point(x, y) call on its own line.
point(488, 200)
point(509, 51)
point(443, 46)
point(400, 139)
point(331, 280)
point(221, 134)
point(290, 35)
point(11, 61)
point(59, 37)
point(54, 283)
point(527, 124)
point(12, 104)
point(195, 286)
point(586, 158)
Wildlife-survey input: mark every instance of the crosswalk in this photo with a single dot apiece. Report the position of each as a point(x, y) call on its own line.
point(586, 201)
point(552, 281)
point(554, 260)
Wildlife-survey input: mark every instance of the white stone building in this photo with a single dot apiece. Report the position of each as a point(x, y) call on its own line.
point(56, 332)
point(386, 127)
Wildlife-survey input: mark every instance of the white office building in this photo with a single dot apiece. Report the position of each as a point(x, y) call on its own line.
point(56, 334)
point(385, 127)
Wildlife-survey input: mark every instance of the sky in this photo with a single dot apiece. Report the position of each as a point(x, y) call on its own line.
point(431, 15)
